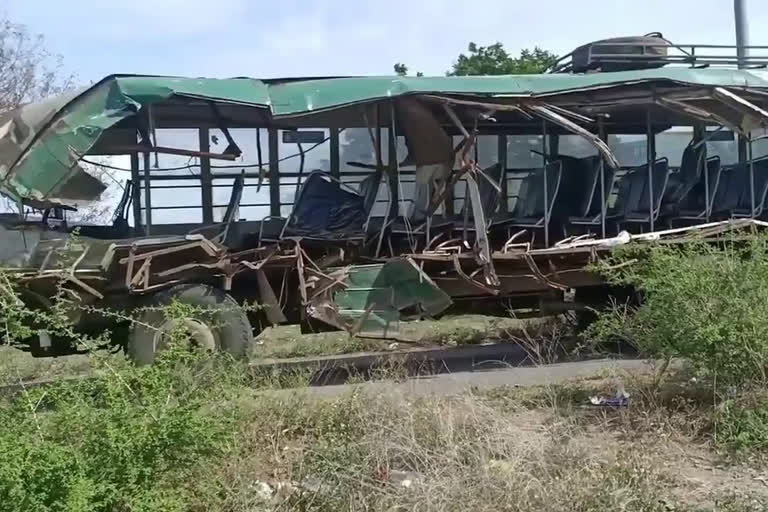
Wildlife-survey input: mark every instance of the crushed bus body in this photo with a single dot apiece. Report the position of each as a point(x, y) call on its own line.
point(355, 203)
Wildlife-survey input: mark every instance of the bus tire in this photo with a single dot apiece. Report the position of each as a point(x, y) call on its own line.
point(220, 324)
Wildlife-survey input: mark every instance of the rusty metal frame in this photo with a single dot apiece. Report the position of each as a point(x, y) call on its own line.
point(460, 272)
point(469, 169)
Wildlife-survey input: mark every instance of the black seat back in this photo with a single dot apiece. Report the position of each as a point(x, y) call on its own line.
point(534, 204)
point(633, 195)
point(683, 182)
point(734, 181)
point(631, 188)
point(527, 186)
point(595, 207)
point(591, 180)
point(760, 187)
point(369, 189)
point(234, 199)
point(120, 216)
point(692, 163)
point(660, 179)
point(323, 206)
point(714, 173)
point(579, 178)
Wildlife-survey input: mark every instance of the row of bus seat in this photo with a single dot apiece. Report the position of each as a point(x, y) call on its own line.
point(700, 189)
point(566, 196)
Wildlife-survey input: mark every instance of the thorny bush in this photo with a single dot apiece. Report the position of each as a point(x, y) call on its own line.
point(707, 303)
point(132, 438)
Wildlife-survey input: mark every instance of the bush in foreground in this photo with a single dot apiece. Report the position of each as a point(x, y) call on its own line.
point(129, 440)
point(703, 302)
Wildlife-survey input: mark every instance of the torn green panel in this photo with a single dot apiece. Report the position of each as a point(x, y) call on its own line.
point(382, 294)
point(60, 133)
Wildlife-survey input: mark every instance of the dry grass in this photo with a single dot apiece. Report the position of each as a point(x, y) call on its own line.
point(505, 449)
point(516, 450)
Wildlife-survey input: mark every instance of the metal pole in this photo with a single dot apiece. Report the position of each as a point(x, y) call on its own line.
point(502, 153)
point(335, 164)
point(274, 173)
point(206, 181)
point(751, 177)
point(136, 192)
point(742, 31)
point(546, 194)
point(742, 53)
point(147, 196)
point(700, 132)
point(601, 134)
point(706, 191)
point(651, 159)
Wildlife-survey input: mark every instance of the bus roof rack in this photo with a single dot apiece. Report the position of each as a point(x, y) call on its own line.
point(653, 51)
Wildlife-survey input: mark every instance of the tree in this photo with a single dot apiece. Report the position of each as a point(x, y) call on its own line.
point(28, 70)
point(402, 70)
point(495, 60)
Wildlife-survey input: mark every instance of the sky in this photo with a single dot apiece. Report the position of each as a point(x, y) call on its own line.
point(263, 39)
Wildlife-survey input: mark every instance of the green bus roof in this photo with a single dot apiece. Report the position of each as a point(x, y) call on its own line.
point(40, 144)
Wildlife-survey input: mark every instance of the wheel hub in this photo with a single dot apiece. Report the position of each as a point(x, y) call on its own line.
point(200, 334)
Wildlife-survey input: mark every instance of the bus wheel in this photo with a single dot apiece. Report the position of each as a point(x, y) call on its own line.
point(215, 322)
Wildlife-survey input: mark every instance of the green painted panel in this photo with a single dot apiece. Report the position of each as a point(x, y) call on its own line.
point(385, 290)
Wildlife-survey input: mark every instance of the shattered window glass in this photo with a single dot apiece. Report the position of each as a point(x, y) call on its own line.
point(248, 140)
point(175, 193)
point(727, 150)
point(175, 165)
point(100, 212)
point(355, 146)
point(317, 155)
point(630, 150)
point(524, 152)
point(671, 143)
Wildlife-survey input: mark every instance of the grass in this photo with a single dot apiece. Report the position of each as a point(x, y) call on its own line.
point(203, 435)
point(16, 365)
point(506, 449)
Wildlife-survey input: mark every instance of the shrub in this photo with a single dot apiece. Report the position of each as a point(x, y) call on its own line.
point(127, 441)
point(131, 439)
point(703, 302)
point(742, 423)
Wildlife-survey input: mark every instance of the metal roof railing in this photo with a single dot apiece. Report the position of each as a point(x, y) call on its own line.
point(638, 54)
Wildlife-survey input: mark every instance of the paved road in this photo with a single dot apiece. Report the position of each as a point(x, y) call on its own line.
point(454, 383)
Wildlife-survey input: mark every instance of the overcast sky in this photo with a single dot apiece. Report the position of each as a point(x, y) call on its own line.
point(224, 38)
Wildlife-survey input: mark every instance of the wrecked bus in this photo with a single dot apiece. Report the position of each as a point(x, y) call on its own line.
point(355, 203)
